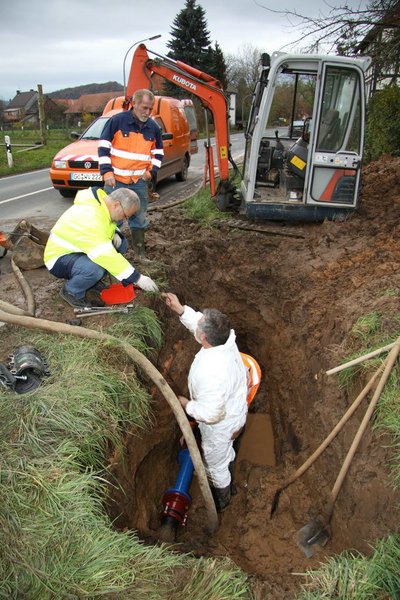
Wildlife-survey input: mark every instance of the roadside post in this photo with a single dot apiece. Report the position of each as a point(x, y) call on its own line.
point(8, 150)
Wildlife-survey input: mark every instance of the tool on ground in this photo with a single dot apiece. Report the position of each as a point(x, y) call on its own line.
point(28, 367)
point(338, 427)
point(103, 312)
point(318, 531)
point(4, 240)
point(89, 311)
point(177, 500)
point(117, 293)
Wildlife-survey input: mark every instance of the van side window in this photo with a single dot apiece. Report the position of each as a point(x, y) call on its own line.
point(160, 124)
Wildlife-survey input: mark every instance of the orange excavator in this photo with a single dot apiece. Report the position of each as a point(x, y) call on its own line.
point(211, 95)
point(304, 137)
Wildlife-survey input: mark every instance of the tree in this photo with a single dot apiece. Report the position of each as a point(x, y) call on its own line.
point(383, 126)
point(217, 65)
point(190, 41)
point(345, 30)
point(191, 44)
point(242, 73)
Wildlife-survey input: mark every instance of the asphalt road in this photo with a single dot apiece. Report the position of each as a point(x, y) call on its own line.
point(31, 195)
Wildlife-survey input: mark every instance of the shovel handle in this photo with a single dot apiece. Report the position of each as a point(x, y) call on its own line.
point(362, 358)
point(338, 427)
point(391, 359)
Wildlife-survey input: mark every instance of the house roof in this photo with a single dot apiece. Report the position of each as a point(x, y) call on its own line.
point(23, 99)
point(91, 103)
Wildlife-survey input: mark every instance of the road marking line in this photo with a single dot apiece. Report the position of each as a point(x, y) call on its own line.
point(25, 195)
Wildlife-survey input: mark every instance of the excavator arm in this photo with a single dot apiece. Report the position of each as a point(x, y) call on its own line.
point(210, 93)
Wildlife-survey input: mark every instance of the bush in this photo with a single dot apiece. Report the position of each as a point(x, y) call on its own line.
point(383, 124)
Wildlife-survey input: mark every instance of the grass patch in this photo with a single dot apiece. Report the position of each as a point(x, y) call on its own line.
point(366, 335)
point(56, 540)
point(201, 207)
point(352, 576)
point(29, 160)
point(140, 327)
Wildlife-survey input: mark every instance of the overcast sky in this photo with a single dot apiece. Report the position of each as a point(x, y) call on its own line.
point(66, 43)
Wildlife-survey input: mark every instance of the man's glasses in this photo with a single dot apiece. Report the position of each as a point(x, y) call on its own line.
point(124, 213)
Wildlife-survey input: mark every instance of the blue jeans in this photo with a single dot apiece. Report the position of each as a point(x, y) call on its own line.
point(81, 273)
point(138, 221)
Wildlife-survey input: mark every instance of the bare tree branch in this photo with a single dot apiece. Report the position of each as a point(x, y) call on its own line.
point(374, 29)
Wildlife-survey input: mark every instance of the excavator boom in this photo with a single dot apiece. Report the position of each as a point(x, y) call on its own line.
point(205, 87)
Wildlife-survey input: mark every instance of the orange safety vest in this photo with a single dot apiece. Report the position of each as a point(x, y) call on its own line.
point(253, 376)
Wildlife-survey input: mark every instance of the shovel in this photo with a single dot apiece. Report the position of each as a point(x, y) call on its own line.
point(311, 459)
point(317, 532)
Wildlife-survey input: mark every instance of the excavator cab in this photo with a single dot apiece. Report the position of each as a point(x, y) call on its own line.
point(304, 140)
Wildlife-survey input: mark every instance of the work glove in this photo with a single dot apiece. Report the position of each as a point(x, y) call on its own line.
point(118, 239)
point(147, 284)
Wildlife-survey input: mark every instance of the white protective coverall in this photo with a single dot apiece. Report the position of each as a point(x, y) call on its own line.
point(218, 391)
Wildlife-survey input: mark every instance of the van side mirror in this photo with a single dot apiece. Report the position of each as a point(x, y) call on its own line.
point(167, 136)
point(74, 134)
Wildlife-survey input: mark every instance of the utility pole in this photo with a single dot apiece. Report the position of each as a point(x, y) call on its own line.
point(41, 115)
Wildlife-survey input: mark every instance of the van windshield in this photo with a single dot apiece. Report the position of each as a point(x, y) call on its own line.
point(93, 132)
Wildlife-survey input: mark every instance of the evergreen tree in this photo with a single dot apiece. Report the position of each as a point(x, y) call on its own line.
point(217, 65)
point(191, 44)
point(190, 37)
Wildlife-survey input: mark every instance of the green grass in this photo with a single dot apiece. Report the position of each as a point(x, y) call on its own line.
point(367, 335)
point(352, 576)
point(29, 160)
point(202, 208)
point(56, 540)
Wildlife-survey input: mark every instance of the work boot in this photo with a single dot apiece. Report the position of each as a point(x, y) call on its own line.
point(222, 497)
point(138, 246)
point(73, 300)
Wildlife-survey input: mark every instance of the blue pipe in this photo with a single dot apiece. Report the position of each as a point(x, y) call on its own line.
point(177, 500)
point(184, 477)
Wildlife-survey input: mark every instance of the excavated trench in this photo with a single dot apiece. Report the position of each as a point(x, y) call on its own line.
point(292, 294)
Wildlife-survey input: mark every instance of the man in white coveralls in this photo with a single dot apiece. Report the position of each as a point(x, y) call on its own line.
point(218, 390)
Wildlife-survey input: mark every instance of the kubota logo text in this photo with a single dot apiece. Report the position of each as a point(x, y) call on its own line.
point(182, 81)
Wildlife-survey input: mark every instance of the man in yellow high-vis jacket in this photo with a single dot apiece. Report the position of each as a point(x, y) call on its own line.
point(85, 244)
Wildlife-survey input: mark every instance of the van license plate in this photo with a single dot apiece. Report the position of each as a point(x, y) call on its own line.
point(86, 177)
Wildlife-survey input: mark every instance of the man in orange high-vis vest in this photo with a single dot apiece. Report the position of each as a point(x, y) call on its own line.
point(130, 153)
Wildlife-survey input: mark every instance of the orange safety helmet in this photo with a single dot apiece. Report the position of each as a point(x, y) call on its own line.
point(253, 376)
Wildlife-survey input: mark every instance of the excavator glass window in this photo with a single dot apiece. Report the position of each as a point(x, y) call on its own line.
point(292, 103)
point(339, 127)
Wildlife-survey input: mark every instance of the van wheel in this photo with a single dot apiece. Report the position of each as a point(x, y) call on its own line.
point(67, 193)
point(183, 173)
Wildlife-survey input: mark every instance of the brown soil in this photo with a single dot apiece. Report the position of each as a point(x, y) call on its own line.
point(293, 294)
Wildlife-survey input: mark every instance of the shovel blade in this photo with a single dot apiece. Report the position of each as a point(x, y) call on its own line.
point(315, 533)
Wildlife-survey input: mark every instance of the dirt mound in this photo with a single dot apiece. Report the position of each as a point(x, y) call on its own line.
point(293, 294)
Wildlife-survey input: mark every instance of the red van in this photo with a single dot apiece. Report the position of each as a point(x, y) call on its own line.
point(77, 165)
